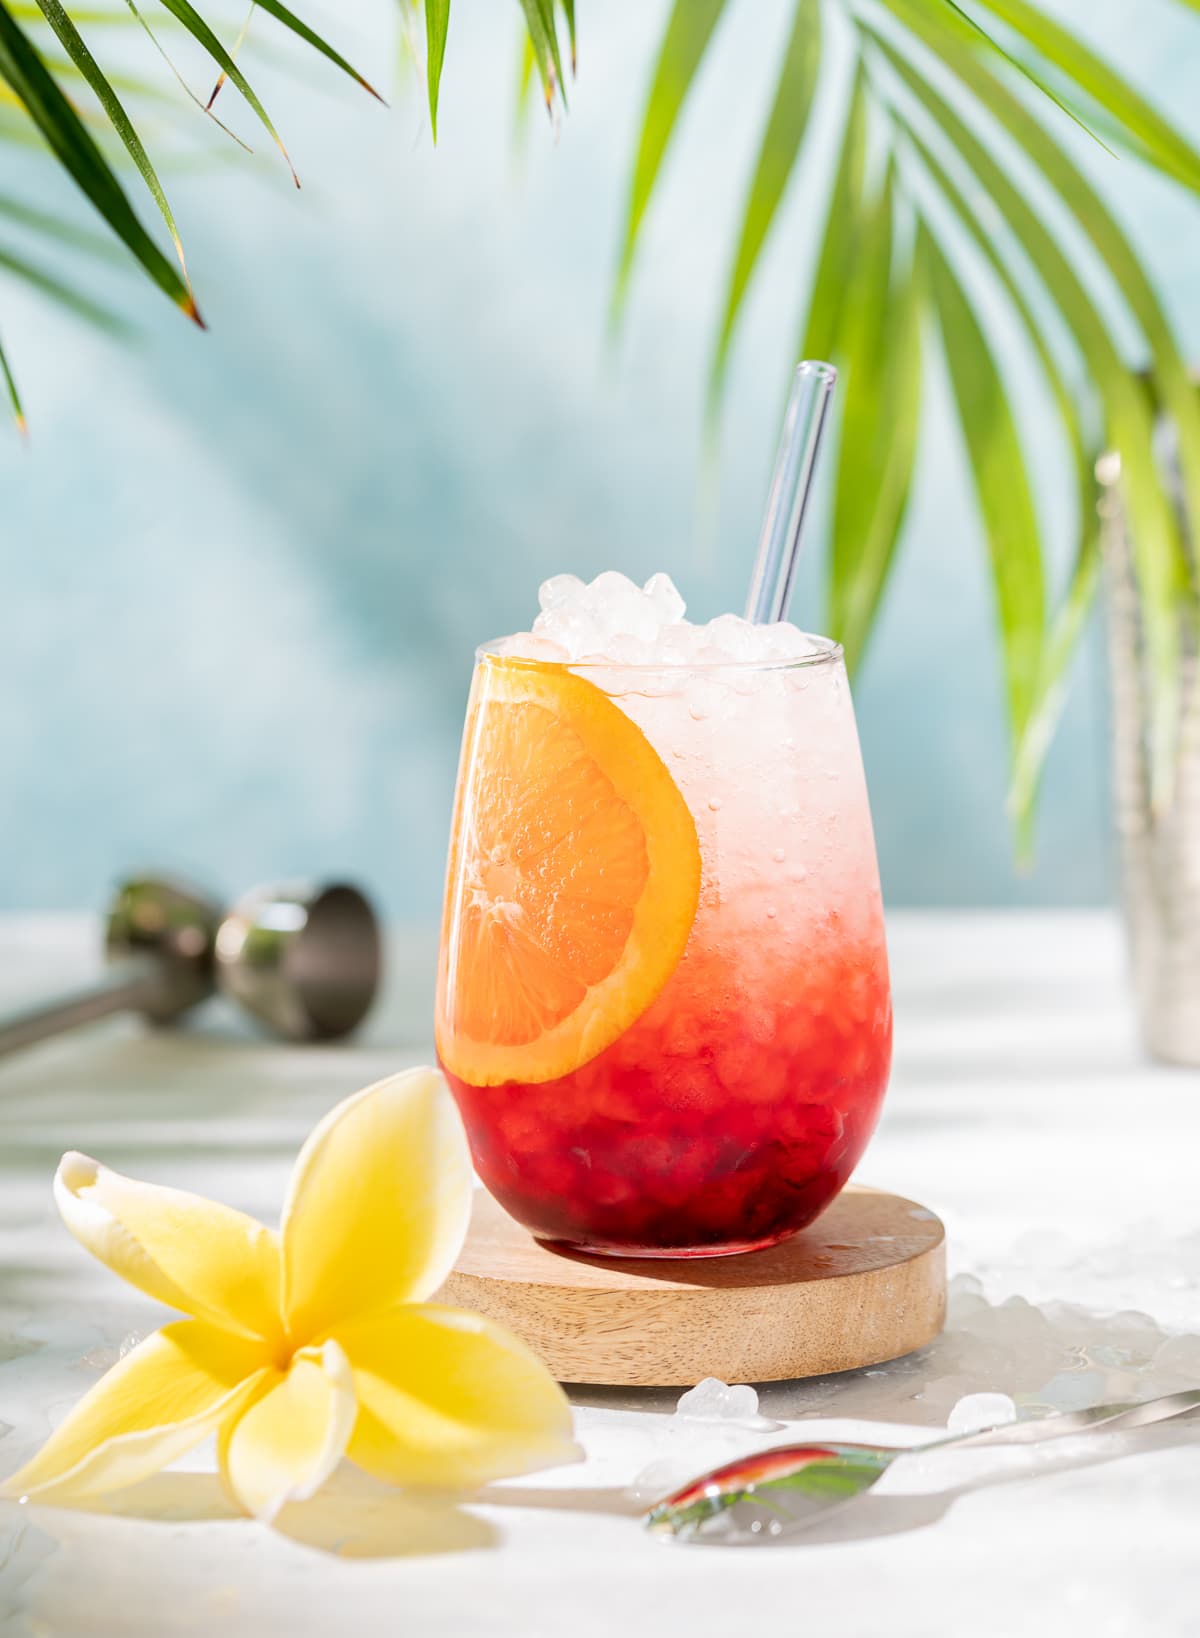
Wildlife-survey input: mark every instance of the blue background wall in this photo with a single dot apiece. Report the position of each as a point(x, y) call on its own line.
point(242, 573)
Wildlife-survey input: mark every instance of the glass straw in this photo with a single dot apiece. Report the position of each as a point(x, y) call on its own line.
point(791, 485)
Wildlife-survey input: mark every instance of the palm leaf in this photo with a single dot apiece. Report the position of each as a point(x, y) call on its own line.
point(235, 53)
point(1135, 119)
point(1033, 743)
point(205, 107)
point(63, 130)
point(860, 353)
point(786, 125)
point(184, 12)
point(1160, 562)
point(46, 224)
point(689, 29)
point(89, 17)
point(878, 455)
point(822, 323)
point(73, 44)
point(10, 386)
point(525, 75)
point(1172, 377)
point(301, 30)
point(543, 34)
point(65, 295)
point(998, 465)
point(437, 20)
point(568, 7)
point(970, 28)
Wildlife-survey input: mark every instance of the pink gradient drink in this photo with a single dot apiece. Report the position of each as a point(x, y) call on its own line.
point(732, 1109)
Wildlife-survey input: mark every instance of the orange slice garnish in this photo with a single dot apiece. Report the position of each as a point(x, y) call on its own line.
point(573, 878)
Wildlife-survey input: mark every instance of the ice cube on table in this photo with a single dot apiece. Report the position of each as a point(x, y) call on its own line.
point(715, 1401)
point(976, 1411)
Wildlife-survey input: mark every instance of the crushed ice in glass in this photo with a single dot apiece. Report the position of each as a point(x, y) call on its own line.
point(612, 619)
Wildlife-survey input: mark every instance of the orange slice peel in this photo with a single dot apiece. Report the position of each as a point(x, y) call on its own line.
point(573, 879)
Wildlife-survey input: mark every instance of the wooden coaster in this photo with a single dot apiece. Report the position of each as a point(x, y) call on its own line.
point(866, 1283)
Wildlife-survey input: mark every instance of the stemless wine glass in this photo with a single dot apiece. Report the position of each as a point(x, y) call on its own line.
point(663, 1000)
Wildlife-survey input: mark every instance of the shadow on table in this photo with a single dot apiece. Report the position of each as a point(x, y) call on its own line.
point(1049, 1357)
point(352, 1517)
point(870, 1516)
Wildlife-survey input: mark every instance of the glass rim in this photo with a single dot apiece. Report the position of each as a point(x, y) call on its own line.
point(826, 652)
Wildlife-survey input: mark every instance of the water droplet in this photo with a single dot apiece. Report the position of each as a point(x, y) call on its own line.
point(697, 712)
point(714, 803)
point(771, 912)
point(779, 855)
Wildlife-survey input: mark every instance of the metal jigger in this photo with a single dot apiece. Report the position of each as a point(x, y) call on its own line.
point(304, 959)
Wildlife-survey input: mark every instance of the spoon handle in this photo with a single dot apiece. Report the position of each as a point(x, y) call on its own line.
point(787, 1487)
point(1112, 1418)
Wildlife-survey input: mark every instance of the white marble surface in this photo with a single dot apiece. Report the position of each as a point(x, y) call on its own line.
point(1021, 1110)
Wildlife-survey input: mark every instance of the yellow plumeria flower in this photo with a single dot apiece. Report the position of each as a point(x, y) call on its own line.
point(313, 1343)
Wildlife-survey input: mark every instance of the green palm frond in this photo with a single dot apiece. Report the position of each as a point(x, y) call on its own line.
point(880, 346)
point(73, 44)
point(782, 139)
point(1162, 566)
point(1127, 117)
point(950, 107)
point(689, 30)
point(25, 73)
point(55, 93)
point(10, 387)
point(941, 100)
point(1002, 486)
point(437, 21)
point(542, 24)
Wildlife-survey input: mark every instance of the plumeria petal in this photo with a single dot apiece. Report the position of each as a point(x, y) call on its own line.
point(378, 1205)
point(447, 1398)
point(286, 1444)
point(190, 1253)
point(162, 1399)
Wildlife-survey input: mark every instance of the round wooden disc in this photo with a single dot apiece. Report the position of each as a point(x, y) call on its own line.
point(865, 1283)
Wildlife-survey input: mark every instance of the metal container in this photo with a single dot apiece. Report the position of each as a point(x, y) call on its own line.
point(1160, 848)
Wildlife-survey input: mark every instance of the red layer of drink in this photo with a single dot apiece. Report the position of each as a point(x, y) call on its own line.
point(727, 1117)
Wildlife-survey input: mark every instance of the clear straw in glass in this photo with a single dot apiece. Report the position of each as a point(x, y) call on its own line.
point(791, 487)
